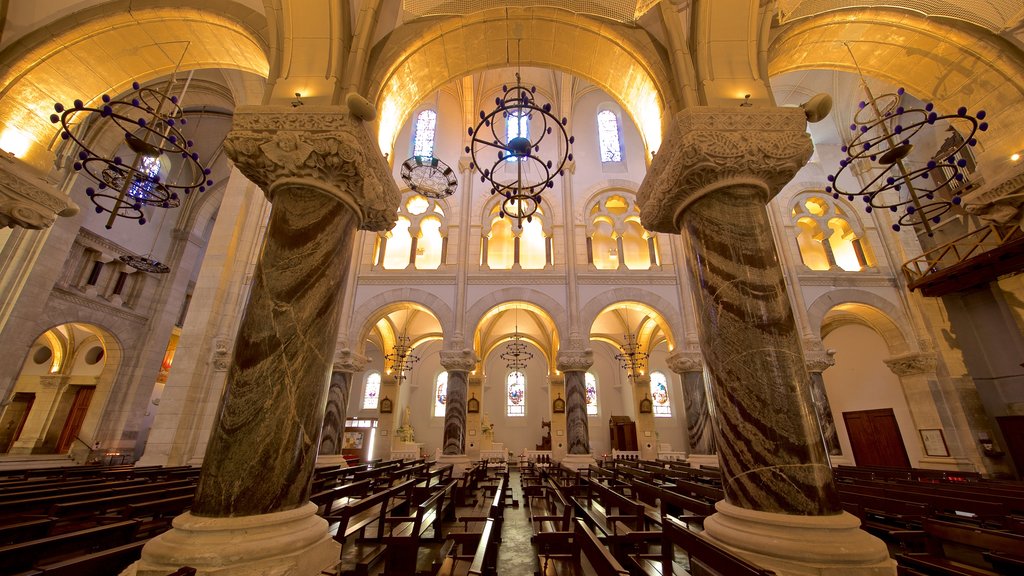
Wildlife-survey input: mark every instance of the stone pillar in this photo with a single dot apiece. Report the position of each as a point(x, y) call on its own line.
point(27, 200)
point(346, 364)
point(574, 361)
point(818, 360)
point(710, 181)
point(697, 401)
point(319, 168)
point(458, 363)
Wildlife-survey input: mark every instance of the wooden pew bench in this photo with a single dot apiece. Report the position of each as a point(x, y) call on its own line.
point(330, 499)
point(957, 549)
point(588, 557)
point(699, 556)
point(608, 510)
point(103, 563)
point(20, 557)
point(349, 524)
point(472, 525)
point(406, 532)
point(552, 517)
point(25, 529)
point(482, 562)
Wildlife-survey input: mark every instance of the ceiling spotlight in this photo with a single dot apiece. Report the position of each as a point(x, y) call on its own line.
point(298, 100)
point(1015, 156)
point(746, 101)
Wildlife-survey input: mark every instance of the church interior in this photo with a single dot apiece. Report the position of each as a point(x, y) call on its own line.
point(412, 287)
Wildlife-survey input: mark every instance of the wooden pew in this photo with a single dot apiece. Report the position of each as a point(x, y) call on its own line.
point(354, 518)
point(588, 557)
point(406, 532)
point(552, 518)
point(608, 510)
point(26, 529)
point(958, 549)
point(704, 557)
point(103, 563)
point(20, 557)
point(482, 562)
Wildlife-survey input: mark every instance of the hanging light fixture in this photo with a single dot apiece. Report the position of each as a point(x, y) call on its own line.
point(150, 120)
point(632, 357)
point(401, 358)
point(505, 150)
point(882, 131)
point(516, 355)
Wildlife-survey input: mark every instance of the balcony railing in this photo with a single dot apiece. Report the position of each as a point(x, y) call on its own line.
point(958, 251)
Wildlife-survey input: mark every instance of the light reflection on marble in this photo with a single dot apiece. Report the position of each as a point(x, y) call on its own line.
point(334, 415)
point(455, 413)
point(698, 414)
point(576, 427)
point(824, 413)
point(769, 444)
point(262, 451)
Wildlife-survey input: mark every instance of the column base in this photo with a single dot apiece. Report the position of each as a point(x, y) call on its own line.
point(331, 460)
point(293, 542)
point(460, 463)
point(578, 461)
point(799, 545)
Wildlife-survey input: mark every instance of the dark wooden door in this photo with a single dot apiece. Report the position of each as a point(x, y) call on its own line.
point(14, 419)
point(1012, 428)
point(875, 438)
point(73, 425)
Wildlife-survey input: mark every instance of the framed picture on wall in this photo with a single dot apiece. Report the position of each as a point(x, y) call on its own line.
point(934, 442)
point(385, 406)
point(646, 406)
point(558, 406)
point(473, 405)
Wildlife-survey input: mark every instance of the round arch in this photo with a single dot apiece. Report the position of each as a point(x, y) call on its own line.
point(416, 59)
point(867, 308)
point(598, 304)
point(107, 47)
point(369, 312)
point(963, 66)
point(555, 310)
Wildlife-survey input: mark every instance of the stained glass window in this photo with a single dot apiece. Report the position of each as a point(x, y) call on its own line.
point(371, 391)
point(440, 394)
point(608, 136)
point(423, 137)
point(590, 387)
point(516, 388)
point(517, 125)
point(659, 395)
point(141, 188)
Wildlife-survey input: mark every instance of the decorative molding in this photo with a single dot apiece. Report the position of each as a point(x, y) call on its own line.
point(819, 360)
point(980, 201)
point(911, 364)
point(323, 145)
point(574, 358)
point(410, 277)
point(620, 279)
point(464, 360)
point(27, 200)
point(711, 147)
point(107, 247)
point(504, 278)
point(685, 361)
point(221, 357)
point(846, 280)
point(98, 305)
point(346, 360)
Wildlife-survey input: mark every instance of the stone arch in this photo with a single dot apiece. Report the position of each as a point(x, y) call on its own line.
point(367, 313)
point(867, 308)
point(671, 326)
point(109, 39)
point(476, 311)
point(963, 67)
point(417, 58)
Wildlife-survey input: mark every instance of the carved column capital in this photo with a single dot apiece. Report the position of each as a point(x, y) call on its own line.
point(684, 361)
point(28, 200)
point(911, 364)
point(816, 357)
point(574, 359)
point(707, 148)
point(346, 360)
point(325, 147)
point(464, 360)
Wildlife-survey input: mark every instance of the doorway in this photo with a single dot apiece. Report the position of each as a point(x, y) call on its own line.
point(875, 438)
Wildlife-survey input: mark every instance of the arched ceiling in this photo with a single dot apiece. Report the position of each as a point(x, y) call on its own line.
point(531, 322)
point(634, 318)
point(995, 15)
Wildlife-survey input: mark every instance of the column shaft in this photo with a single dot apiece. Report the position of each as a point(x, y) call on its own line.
point(576, 428)
point(455, 413)
point(770, 447)
point(823, 411)
point(261, 453)
point(334, 416)
point(698, 414)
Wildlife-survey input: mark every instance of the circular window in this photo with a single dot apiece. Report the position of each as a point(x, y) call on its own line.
point(94, 355)
point(42, 355)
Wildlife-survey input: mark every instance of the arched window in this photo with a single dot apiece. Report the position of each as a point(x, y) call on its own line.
point(517, 125)
point(615, 237)
point(515, 388)
point(150, 166)
point(659, 395)
point(826, 236)
point(590, 388)
point(419, 237)
point(371, 391)
point(423, 134)
point(505, 245)
point(440, 394)
point(608, 135)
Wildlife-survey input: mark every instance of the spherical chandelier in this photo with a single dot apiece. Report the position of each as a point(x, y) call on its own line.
point(505, 151)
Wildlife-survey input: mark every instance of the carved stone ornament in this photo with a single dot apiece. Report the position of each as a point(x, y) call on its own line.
point(221, 359)
point(322, 145)
point(981, 200)
point(575, 359)
point(708, 148)
point(911, 364)
point(464, 360)
point(27, 200)
point(816, 357)
point(685, 361)
point(346, 360)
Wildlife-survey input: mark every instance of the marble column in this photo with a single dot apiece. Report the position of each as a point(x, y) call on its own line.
point(346, 364)
point(710, 181)
point(251, 514)
point(818, 360)
point(459, 363)
point(700, 437)
point(574, 361)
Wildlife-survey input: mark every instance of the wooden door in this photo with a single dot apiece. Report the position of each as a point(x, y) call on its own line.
point(73, 425)
point(14, 419)
point(875, 438)
point(1012, 428)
